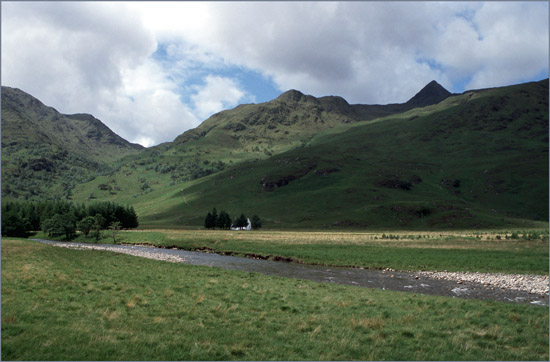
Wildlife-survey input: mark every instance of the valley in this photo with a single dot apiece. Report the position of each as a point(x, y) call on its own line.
point(442, 186)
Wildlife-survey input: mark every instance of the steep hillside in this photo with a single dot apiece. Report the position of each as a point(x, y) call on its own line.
point(45, 153)
point(293, 118)
point(479, 159)
point(247, 132)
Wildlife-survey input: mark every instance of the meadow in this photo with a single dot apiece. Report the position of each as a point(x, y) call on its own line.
point(62, 304)
point(507, 251)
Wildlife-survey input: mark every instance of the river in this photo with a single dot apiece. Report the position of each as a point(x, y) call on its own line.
point(409, 282)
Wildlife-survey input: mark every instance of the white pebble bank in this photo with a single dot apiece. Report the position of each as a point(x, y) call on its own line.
point(535, 284)
point(143, 254)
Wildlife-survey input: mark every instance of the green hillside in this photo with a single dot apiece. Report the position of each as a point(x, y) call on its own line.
point(46, 153)
point(245, 133)
point(479, 159)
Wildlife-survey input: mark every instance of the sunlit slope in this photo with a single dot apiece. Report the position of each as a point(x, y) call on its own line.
point(480, 161)
point(244, 133)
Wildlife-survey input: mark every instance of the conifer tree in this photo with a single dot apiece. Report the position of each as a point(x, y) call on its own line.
point(208, 220)
point(242, 221)
point(214, 220)
point(223, 221)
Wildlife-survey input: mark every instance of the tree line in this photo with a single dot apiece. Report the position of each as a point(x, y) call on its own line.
point(58, 218)
point(223, 220)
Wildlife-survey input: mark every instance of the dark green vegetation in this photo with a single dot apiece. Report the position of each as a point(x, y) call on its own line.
point(223, 221)
point(474, 160)
point(419, 251)
point(86, 305)
point(62, 218)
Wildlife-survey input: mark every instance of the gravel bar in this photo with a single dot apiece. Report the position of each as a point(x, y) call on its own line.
point(535, 284)
point(128, 251)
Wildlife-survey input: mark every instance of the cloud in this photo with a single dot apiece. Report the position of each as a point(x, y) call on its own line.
point(217, 94)
point(163, 67)
point(86, 58)
point(371, 52)
point(497, 44)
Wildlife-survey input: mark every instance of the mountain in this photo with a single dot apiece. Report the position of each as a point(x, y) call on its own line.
point(475, 160)
point(246, 132)
point(432, 93)
point(45, 153)
point(293, 118)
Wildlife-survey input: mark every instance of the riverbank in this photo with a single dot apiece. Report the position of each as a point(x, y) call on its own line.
point(65, 304)
point(504, 287)
point(533, 284)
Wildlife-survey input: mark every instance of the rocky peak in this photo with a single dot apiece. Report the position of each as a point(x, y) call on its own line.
point(295, 96)
point(432, 93)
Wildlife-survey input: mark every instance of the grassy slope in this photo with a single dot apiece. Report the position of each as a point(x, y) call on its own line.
point(45, 153)
point(247, 132)
point(60, 304)
point(495, 142)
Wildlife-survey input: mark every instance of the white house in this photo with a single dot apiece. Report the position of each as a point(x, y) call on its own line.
point(247, 227)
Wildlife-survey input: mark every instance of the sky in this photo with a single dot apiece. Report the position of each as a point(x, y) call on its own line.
point(152, 70)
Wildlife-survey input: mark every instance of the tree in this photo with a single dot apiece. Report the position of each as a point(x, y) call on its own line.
point(115, 228)
point(86, 225)
point(60, 224)
point(14, 224)
point(131, 218)
point(209, 221)
point(224, 221)
point(99, 221)
point(256, 222)
point(227, 224)
point(220, 221)
point(214, 219)
point(241, 222)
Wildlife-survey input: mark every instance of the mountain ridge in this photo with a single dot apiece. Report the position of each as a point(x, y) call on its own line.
point(478, 161)
point(320, 113)
point(41, 147)
point(448, 164)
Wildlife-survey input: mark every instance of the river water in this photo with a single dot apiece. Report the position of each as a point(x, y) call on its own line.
point(380, 279)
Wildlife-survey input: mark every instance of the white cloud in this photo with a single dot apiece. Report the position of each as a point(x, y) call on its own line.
point(499, 43)
point(373, 51)
point(147, 106)
point(217, 94)
point(99, 57)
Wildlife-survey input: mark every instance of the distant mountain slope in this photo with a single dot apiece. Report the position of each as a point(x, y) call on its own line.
point(45, 153)
point(246, 132)
point(479, 159)
point(293, 118)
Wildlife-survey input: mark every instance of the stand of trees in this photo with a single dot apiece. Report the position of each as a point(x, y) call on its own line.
point(223, 220)
point(213, 220)
point(58, 218)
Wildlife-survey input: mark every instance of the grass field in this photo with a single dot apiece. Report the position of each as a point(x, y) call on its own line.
point(62, 304)
point(482, 251)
